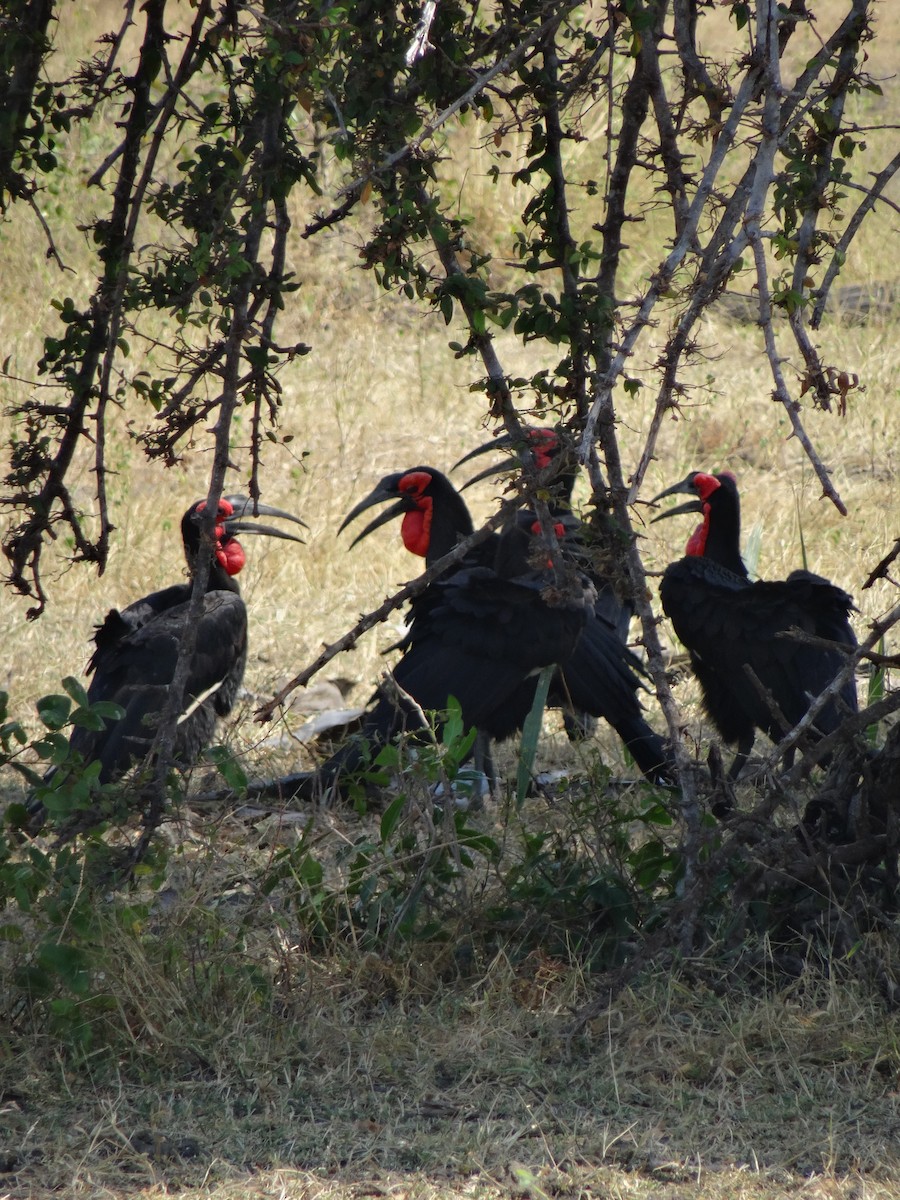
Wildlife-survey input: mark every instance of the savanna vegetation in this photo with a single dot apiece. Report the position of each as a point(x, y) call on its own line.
point(285, 249)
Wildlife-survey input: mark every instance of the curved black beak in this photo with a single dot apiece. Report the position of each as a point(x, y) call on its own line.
point(385, 490)
point(677, 489)
point(383, 518)
point(504, 441)
point(245, 507)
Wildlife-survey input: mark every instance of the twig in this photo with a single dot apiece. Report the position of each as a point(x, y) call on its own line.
point(661, 281)
point(781, 393)
point(498, 384)
point(712, 274)
point(852, 725)
point(370, 619)
point(816, 376)
point(840, 251)
point(420, 42)
point(881, 571)
point(764, 174)
point(481, 82)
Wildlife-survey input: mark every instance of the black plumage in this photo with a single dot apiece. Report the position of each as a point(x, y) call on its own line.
point(752, 673)
point(478, 636)
point(483, 639)
point(603, 677)
point(136, 651)
point(554, 459)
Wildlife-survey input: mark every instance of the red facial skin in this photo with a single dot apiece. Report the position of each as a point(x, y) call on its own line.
point(704, 485)
point(543, 444)
point(559, 529)
point(415, 529)
point(229, 551)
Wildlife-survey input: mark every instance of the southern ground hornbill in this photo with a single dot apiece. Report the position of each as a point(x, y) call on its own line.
point(753, 675)
point(602, 679)
point(137, 650)
point(476, 635)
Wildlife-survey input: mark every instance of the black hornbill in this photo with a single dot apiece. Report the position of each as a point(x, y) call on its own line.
point(735, 630)
point(597, 676)
point(476, 634)
point(137, 650)
point(603, 677)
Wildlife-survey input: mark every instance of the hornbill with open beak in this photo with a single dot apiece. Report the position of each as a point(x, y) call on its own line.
point(752, 673)
point(602, 678)
point(137, 647)
point(596, 671)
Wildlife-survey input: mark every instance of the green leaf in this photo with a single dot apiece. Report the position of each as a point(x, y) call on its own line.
point(54, 710)
point(310, 871)
point(391, 816)
point(228, 767)
point(74, 688)
point(108, 709)
point(69, 963)
point(86, 718)
point(447, 308)
point(531, 731)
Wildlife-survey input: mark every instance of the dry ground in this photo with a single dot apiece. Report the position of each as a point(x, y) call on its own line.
point(249, 1062)
point(358, 1080)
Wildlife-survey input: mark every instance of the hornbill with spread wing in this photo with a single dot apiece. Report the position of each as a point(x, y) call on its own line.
point(596, 676)
point(752, 672)
point(136, 650)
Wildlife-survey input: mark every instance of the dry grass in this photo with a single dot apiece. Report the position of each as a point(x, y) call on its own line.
point(360, 1080)
point(248, 1062)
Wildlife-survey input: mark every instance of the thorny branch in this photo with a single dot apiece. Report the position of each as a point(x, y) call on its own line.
point(369, 620)
point(874, 193)
point(23, 547)
point(881, 570)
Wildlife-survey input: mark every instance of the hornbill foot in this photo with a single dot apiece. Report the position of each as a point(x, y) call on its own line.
point(722, 795)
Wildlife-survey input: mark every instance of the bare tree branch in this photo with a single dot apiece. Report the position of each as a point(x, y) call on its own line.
point(414, 588)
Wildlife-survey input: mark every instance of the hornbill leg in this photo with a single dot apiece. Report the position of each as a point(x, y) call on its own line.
point(579, 726)
point(745, 745)
point(722, 794)
point(483, 759)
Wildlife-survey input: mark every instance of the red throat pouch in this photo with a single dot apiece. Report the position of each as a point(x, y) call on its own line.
point(543, 445)
point(415, 529)
point(230, 555)
point(696, 546)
